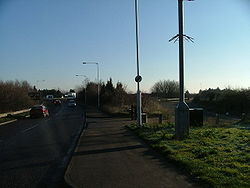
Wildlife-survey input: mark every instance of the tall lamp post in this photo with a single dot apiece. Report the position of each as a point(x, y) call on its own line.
point(85, 89)
point(98, 80)
point(182, 109)
point(138, 78)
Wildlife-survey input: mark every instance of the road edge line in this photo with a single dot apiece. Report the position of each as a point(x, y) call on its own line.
point(7, 122)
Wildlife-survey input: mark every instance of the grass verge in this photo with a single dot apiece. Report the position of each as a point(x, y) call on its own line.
point(216, 157)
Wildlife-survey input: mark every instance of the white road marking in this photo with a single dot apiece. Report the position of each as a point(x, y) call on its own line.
point(30, 128)
point(7, 122)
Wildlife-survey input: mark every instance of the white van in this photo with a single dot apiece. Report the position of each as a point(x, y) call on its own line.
point(49, 97)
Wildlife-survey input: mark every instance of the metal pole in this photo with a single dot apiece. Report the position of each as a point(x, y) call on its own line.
point(181, 51)
point(98, 86)
point(182, 109)
point(139, 120)
point(137, 37)
point(85, 90)
point(84, 96)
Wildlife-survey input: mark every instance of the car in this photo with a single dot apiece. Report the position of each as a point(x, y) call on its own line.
point(57, 102)
point(39, 111)
point(49, 97)
point(71, 103)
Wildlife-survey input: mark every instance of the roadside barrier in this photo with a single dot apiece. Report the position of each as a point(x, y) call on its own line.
point(14, 113)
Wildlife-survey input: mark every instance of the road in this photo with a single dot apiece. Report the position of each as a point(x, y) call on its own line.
point(35, 152)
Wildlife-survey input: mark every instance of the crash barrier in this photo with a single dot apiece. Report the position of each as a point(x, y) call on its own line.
point(14, 113)
point(196, 117)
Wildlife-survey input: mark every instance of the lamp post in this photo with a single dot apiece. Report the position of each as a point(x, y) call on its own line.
point(85, 89)
point(98, 79)
point(138, 78)
point(182, 109)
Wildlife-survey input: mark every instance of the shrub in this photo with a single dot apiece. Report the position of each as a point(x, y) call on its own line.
point(234, 101)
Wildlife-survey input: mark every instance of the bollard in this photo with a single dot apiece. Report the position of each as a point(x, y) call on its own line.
point(160, 118)
point(243, 117)
point(217, 119)
point(132, 112)
point(144, 117)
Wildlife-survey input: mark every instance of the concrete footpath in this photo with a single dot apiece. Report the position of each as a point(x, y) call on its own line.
point(108, 155)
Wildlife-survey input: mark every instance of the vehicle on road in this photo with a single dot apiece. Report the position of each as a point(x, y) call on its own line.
point(57, 102)
point(49, 97)
point(39, 111)
point(71, 103)
point(71, 95)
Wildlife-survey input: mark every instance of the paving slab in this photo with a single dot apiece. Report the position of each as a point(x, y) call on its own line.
point(109, 155)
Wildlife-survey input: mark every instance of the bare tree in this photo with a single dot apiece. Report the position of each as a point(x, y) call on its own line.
point(166, 88)
point(14, 95)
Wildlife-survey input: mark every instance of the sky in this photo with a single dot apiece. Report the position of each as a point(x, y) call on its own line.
point(46, 41)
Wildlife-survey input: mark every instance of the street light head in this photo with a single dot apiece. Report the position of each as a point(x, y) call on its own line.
point(90, 63)
point(81, 75)
point(98, 78)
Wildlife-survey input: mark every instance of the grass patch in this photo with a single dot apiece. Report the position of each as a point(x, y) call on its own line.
point(216, 157)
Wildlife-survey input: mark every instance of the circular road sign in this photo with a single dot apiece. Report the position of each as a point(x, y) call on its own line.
point(138, 78)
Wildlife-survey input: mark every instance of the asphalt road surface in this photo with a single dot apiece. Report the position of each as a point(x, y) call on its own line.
point(35, 152)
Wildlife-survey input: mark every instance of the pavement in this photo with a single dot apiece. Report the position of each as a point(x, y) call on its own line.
point(108, 155)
